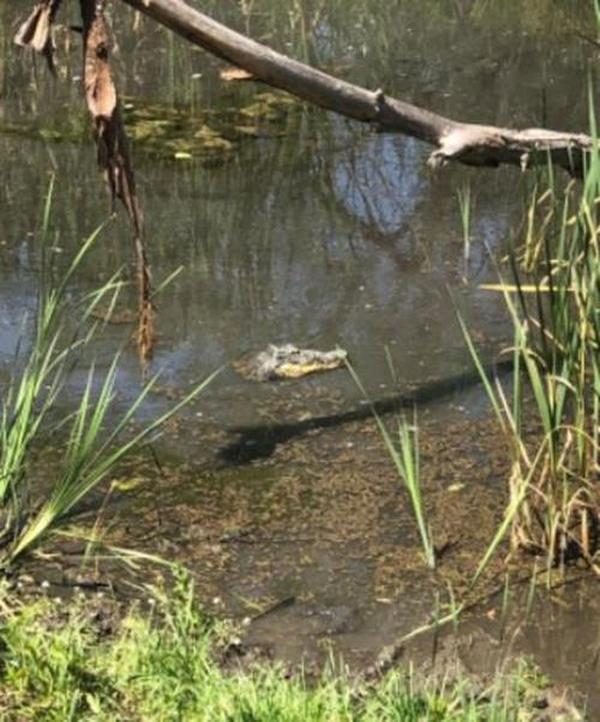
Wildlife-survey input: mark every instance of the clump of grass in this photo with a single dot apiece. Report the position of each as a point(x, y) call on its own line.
point(405, 454)
point(175, 663)
point(92, 449)
point(552, 416)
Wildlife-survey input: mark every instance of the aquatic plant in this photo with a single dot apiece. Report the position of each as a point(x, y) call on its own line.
point(464, 204)
point(405, 454)
point(551, 417)
point(93, 446)
point(403, 448)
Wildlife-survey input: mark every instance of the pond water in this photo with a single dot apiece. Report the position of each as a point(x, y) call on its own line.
point(292, 224)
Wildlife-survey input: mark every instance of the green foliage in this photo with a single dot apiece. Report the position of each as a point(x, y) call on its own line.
point(404, 452)
point(163, 665)
point(551, 418)
point(95, 442)
point(465, 207)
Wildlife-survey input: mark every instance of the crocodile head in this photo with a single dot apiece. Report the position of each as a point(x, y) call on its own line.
point(288, 362)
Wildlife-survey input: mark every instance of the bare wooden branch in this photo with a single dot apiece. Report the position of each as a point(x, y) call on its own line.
point(469, 143)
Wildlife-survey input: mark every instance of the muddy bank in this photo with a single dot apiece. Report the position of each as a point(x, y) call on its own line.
point(167, 658)
point(313, 548)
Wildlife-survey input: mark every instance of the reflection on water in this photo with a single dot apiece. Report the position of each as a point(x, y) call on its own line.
point(311, 230)
point(320, 232)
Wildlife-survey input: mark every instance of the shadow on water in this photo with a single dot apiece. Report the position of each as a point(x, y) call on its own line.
point(259, 442)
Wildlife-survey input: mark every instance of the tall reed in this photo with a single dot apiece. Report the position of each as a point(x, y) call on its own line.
point(551, 416)
point(464, 205)
point(403, 448)
point(94, 442)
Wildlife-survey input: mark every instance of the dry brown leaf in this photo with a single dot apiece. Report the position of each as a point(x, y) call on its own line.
point(100, 91)
point(36, 31)
point(113, 156)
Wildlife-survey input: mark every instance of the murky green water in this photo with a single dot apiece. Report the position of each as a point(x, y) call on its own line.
point(292, 224)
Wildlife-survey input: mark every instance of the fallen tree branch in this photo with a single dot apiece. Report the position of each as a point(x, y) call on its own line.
point(468, 143)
